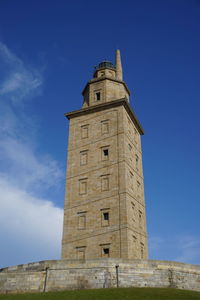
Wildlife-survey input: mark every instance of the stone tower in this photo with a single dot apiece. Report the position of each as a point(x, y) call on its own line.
point(104, 213)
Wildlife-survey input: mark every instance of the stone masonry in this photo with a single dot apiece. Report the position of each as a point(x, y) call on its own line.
point(104, 213)
point(59, 275)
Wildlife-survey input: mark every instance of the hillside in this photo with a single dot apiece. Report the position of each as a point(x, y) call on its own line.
point(109, 294)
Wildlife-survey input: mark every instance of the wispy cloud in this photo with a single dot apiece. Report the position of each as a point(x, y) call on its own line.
point(20, 81)
point(182, 248)
point(30, 223)
point(189, 249)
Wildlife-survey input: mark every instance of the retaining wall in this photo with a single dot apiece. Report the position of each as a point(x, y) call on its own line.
point(57, 275)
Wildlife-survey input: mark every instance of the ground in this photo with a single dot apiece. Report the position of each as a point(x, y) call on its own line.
point(109, 294)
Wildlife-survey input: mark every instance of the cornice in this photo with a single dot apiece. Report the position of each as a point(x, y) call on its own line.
point(104, 106)
point(105, 78)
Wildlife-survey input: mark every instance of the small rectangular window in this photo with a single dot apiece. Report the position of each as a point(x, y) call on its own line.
point(80, 252)
point(83, 157)
point(104, 126)
point(105, 182)
point(106, 251)
point(131, 180)
point(98, 96)
point(140, 218)
point(81, 221)
point(84, 131)
point(106, 216)
point(137, 161)
point(142, 250)
point(83, 186)
point(133, 211)
point(105, 153)
point(138, 185)
point(134, 239)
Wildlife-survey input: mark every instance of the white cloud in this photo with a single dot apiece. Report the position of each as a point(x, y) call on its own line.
point(31, 225)
point(32, 169)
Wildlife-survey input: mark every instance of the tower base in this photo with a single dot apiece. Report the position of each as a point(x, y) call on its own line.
point(57, 275)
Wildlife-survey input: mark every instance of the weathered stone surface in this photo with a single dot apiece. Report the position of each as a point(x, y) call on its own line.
point(100, 273)
point(104, 213)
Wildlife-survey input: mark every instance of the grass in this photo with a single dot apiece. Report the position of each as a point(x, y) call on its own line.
point(109, 294)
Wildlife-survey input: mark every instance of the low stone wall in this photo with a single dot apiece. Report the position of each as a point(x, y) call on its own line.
point(57, 275)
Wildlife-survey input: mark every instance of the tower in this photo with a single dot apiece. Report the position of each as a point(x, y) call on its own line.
point(104, 212)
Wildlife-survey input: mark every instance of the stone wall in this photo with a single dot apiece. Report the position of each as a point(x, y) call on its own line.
point(64, 274)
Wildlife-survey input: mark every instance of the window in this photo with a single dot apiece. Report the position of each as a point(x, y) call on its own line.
point(104, 126)
point(97, 96)
point(105, 217)
point(133, 211)
point(138, 185)
point(104, 183)
point(84, 157)
point(140, 218)
point(83, 186)
point(81, 220)
point(142, 250)
point(105, 153)
point(134, 240)
point(137, 161)
point(131, 180)
point(80, 252)
point(84, 131)
point(138, 189)
point(105, 250)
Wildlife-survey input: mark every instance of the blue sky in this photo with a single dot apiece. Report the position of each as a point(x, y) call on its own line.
point(47, 53)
